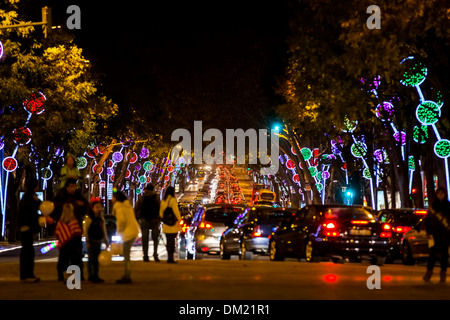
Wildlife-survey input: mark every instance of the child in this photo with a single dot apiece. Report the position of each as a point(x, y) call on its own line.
point(67, 232)
point(95, 233)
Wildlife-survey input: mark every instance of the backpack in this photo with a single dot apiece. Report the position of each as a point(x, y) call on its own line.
point(169, 217)
point(150, 208)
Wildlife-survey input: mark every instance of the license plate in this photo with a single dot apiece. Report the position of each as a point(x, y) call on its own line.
point(360, 232)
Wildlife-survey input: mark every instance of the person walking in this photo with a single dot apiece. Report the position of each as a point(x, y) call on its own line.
point(68, 231)
point(127, 228)
point(438, 230)
point(147, 213)
point(28, 224)
point(95, 232)
point(171, 232)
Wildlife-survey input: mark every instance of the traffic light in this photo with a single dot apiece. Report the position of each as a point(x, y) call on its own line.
point(46, 20)
point(413, 197)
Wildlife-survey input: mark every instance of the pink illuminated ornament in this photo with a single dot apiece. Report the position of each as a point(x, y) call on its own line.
point(144, 153)
point(384, 111)
point(400, 135)
point(117, 156)
point(1, 50)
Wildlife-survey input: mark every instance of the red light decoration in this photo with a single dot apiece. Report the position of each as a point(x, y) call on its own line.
point(296, 178)
point(10, 164)
point(134, 157)
point(170, 168)
point(290, 164)
point(22, 136)
point(35, 105)
point(166, 178)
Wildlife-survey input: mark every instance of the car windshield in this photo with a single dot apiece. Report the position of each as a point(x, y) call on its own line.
point(222, 214)
point(347, 213)
point(270, 215)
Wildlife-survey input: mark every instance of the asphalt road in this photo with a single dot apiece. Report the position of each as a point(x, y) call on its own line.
point(213, 279)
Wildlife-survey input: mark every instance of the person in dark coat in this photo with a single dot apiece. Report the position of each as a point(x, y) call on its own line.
point(147, 213)
point(28, 225)
point(438, 229)
point(71, 194)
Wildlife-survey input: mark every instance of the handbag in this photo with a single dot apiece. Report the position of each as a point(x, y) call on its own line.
point(169, 217)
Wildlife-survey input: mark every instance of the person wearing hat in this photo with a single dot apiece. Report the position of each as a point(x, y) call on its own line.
point(69, 170)
point(147, 213)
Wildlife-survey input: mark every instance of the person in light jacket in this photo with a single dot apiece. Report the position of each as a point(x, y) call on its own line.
point(127, 229)
point(171, 232)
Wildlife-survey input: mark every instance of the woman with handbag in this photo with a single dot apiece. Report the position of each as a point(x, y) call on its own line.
point(169, 207)
point(127, 228)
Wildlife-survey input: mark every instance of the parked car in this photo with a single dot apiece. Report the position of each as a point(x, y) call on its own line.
point(401, 221)
point(206, 228)
point(332, 231)
point(251, 230)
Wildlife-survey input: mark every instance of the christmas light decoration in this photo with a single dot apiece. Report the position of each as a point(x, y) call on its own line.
point(10, 164)
point(144, 153)
point(81, 163)
point(420, 134)
point(35, 105)
point(117, 156)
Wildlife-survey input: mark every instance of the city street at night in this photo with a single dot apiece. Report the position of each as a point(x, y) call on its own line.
point(260, 152)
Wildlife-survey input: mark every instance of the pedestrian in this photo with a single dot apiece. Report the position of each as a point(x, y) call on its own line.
point(147, 213)
point(127, 229)
point(67, 232)
point(437, 224)
point(171, 232)
point(71, 194)
point(69, 170)
point(94, 228)
point(28, 224)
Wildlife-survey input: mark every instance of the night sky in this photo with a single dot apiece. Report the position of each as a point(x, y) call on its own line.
point(215, 61)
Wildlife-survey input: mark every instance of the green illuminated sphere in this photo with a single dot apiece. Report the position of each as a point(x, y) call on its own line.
point(81, 162)
point(442, 148)
point(428, 112)
point(319, 186)
point(148, 166)
point(142, 179)
point(306, 153)
point(358, 149)
point(313, 171)
point(415, 75)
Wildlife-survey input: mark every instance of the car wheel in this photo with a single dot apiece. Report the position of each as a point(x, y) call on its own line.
point(310, 254)
point(407, 255)
point(274, 252)
point(244, 253)
point(223, 255)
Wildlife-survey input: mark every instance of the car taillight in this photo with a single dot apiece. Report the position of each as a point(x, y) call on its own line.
point(329, 225)
point(360, 222)
point(420, 212)
point(206, 225)
point(257, 232)
point(330, 230)
point(385, 234)
point(386, 226)
point(401, 229)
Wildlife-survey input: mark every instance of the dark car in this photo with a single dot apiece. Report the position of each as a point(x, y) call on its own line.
point(401, 221)
point(251, 231)
point(331, 231)
point(206, 228)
